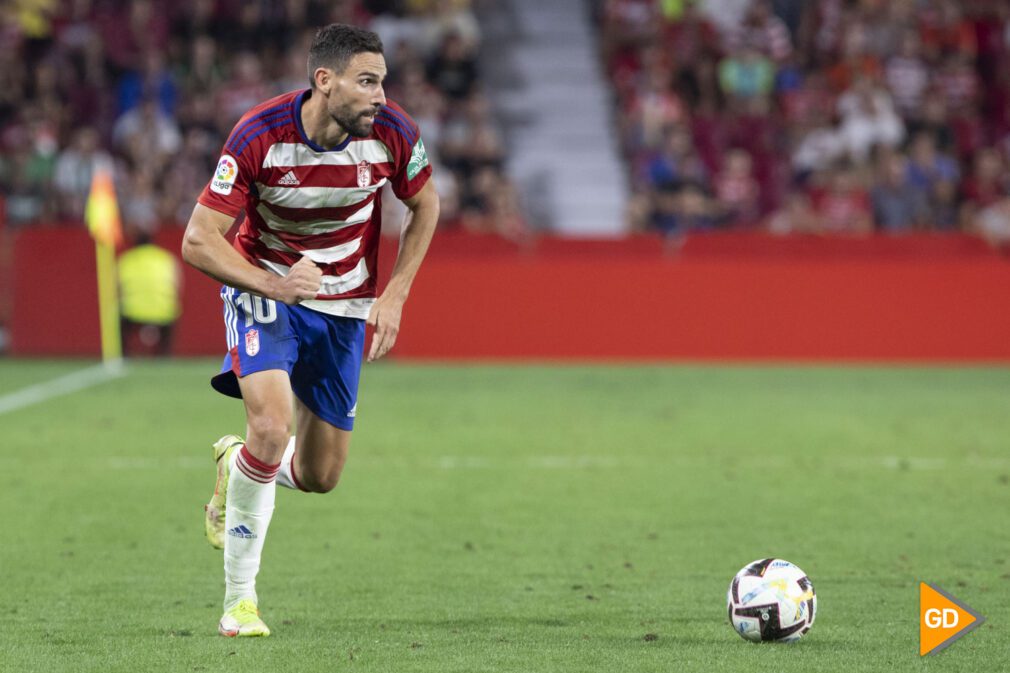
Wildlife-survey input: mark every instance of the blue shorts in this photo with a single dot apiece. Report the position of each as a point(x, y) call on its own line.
point(321, 353)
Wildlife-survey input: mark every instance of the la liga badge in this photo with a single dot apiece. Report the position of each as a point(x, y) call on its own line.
point(252, 342)
point(224, 175)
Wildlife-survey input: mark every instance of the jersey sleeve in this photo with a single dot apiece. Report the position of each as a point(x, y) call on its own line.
point(412, 165)
point(232, 181)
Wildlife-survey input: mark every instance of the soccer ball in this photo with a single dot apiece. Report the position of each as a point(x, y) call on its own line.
point(771, 600)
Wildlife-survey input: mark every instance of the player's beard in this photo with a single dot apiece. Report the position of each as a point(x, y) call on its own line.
point(358, 124)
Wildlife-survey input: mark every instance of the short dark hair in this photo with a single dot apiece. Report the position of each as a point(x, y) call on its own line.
point(336, 44)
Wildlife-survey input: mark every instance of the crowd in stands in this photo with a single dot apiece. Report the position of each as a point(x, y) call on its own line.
point(154, 88)
point(826, 116)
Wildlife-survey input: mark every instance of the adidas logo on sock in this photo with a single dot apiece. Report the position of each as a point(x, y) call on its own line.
point(289, 180)
point(242, 531)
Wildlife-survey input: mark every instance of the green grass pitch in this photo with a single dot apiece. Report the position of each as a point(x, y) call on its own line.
point(521, 518)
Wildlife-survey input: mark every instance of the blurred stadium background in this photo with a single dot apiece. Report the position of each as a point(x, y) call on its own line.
point(801, 169)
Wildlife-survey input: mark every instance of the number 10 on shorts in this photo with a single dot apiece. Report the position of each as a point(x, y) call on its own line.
point(257, 308)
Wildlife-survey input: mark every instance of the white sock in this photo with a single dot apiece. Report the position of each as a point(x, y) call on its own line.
point(286, 474)
point(250, 505)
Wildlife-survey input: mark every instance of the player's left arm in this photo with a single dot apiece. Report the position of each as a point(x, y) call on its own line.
point(418, 228)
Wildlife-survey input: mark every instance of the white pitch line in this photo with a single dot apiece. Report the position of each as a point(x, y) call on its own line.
point(64, 385)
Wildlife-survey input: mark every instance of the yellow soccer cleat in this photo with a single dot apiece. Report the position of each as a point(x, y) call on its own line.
point(214, 519)
point(242, 620)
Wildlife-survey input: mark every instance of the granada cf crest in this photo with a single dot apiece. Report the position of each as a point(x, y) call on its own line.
point(252, 342)
point(364, 174)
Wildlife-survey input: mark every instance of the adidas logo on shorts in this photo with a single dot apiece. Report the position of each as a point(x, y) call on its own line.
point(289, 180)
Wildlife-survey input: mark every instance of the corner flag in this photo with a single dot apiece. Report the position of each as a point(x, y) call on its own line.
point(102, 216)
point(102, 211)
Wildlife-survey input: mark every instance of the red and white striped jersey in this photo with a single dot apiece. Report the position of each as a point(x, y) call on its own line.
point(303, 200)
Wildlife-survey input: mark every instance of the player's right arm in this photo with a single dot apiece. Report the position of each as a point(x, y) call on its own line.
point(205, 247)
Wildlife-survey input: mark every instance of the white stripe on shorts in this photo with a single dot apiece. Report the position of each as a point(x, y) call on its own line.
point(230, 318)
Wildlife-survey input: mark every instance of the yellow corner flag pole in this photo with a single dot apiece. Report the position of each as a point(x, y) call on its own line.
point(102, 216)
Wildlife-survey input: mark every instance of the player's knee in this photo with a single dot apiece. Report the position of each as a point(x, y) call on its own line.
point(322, 483)
point(328, 482)
point(269, 435)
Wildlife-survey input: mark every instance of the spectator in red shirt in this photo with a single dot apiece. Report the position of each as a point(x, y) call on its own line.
point(763, 32)
point(988, 179)
point(946, 31)
point(843, 206)
point(242, 90)
point(737, 189)
point(958, 83)
point(657, 108)
point(128, 33)
point(856, 61)
point(797, 216)
point(689, 36)
point(907, 75)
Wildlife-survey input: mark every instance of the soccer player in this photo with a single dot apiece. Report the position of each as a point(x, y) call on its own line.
point(307, 169)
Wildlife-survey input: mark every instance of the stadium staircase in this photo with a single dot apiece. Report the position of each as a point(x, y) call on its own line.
point(544, 78)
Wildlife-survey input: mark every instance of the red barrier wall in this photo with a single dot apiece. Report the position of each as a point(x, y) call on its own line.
point(735, 296)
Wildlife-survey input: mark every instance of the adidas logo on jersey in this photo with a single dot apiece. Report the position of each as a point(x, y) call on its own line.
point(289, 180)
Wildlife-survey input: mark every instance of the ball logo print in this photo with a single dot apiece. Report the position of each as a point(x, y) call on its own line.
point(942, 619)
